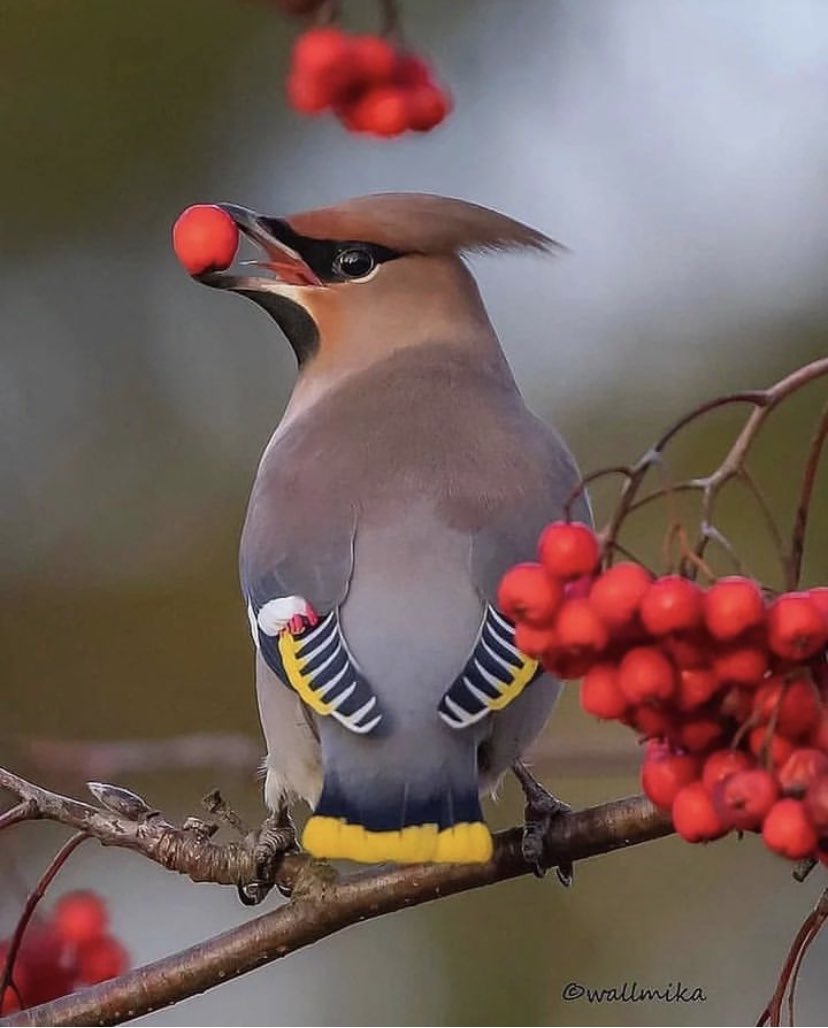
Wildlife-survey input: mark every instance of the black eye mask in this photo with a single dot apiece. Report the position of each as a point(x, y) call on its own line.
point(331, 260)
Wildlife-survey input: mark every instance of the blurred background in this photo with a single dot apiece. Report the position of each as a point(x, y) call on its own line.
point(680, 150)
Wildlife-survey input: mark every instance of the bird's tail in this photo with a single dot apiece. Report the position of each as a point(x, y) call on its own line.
point(434, 818)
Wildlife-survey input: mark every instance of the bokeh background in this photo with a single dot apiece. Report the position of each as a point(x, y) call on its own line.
point(679, 149)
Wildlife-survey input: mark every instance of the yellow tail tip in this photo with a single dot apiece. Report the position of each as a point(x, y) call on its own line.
point(335, 839)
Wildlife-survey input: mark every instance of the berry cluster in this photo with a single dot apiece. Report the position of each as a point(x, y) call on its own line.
point(369, 84)
point(70, 949)
point(728, 688)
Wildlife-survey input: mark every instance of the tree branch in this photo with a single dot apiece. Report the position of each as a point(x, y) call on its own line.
point(324, 903)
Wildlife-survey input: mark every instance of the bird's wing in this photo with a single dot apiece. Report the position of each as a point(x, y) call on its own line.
point(537, 483)
point(295, 563)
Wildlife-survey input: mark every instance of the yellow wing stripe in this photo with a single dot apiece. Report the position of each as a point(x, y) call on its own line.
point(298, 679)
point(514, 688)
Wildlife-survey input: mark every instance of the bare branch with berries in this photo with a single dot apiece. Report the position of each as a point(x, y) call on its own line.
point(323, 903)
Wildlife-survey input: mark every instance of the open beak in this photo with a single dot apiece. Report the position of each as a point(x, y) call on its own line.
point(284, 264)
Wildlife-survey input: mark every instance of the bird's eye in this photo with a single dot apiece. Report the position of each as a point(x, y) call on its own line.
point(353, 262)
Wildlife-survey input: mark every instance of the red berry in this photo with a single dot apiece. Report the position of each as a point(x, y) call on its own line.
point(319, 50)
point(663, 776)
point(792, 701)
point(205, 238)
point(100, 959)
point(568, 549)
point(601, 695)
point(307, 94)
point(651, 722)
point(788, 830)
point(672, 604)
point(744, 798)
point(533, 641)
point(687, 649)
point(527, 594)
point(802, 769)
point(42, 953)
point(695, 687)
point(374, 59)
point(733, 606)
point(381, 110)
point(412, 70)
point(797, 627)
point(616, 594)
point(763, 743)
point(80, 916)
point(740, 664)
point(816, 804)
point(697, 734)
point(722, 764)
point(568, 665)
point(694, 817)
point(428, 105)
point(578, 627)
point(646, 675)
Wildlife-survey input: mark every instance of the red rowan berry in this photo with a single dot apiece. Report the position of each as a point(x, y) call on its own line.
point(732, 606)
point(802, 769)
point(797, 627)
point(601, 695)
point(533, 641)
point(568, 549)
point(79, 916)
point(205, 238)
point(744, 798)
point(788, 830)
point(527, 594)
point(694, 817)
point(646, 675)
point(100, 959)
point(696, 686)
point(793, 701)
point(740, 664)
point(578, 627)
point(697, 734)
point(672, 604)
point(663, 776)
point(616, 594)
point(722, 764)
point(771, 745)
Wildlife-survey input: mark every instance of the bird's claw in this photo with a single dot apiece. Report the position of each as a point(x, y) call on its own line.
point(541, 809)
point(275, 838)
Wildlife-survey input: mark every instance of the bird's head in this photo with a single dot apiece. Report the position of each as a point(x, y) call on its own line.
point(350, 283)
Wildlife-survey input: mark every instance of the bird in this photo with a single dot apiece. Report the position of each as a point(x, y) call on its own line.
point(405, 476)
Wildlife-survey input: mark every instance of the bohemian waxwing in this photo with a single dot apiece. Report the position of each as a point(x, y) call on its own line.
point(405, 477)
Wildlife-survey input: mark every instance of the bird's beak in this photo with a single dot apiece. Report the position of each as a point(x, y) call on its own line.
point(284, 263)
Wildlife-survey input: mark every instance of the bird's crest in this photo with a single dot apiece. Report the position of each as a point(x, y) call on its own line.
point(420, 223)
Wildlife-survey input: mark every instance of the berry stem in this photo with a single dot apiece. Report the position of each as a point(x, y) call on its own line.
point(794, 564)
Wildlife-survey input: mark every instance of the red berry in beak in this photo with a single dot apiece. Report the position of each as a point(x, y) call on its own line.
point(205, 238)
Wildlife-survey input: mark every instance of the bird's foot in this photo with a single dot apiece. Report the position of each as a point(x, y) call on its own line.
point(542, 808)
point(275, 838)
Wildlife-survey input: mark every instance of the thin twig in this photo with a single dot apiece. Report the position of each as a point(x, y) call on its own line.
point(790, 969)
point(804, 505)
point(34, 897)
